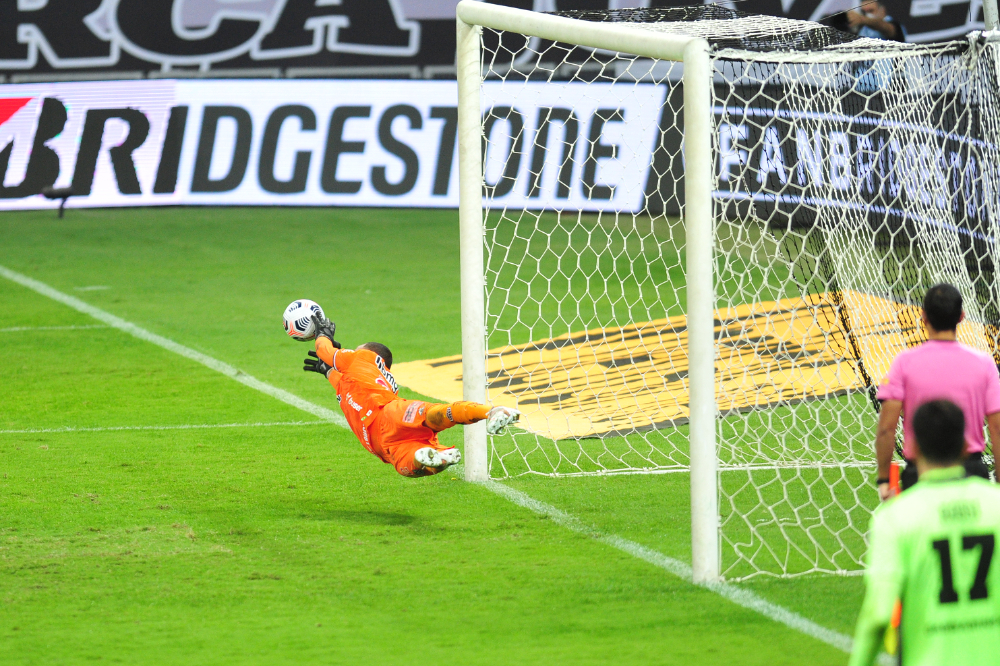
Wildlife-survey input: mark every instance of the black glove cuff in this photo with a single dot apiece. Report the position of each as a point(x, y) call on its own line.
point(879, 482)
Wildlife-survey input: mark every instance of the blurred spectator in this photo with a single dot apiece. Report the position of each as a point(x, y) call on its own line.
point(873, 21)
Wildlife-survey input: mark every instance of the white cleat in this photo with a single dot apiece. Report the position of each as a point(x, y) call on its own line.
point(429, 457)
point(450, 456)
point(499, 418)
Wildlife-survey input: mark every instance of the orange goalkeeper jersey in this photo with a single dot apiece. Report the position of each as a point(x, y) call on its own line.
point(363, 386)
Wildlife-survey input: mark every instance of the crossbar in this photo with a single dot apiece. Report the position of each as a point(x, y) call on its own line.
point(609, 36)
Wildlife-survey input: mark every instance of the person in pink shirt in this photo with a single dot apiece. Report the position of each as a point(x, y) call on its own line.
point(940, 368)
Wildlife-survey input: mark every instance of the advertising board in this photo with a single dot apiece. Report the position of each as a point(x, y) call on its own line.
point(794, 166)
point(342, 142)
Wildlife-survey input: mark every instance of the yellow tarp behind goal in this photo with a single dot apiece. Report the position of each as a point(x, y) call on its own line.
point(617, 380)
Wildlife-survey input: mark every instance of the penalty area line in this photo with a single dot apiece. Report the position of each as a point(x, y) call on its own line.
point(177, 348)
point(737, 595)
point(205, 426)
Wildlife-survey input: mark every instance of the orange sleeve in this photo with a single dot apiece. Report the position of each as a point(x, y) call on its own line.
point(338, 359)
point(334, 378)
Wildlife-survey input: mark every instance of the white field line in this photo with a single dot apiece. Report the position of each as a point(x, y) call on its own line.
point(753, 467)
point(737, 595)
point(207, 426)
point(160, 341)
point(19, 329)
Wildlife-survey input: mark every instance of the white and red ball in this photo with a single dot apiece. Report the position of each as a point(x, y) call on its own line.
point(298, 319)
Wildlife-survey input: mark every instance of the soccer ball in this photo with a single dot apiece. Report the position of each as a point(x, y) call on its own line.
point(298, 319)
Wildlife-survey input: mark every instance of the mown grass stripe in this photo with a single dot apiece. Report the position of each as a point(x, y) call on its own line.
point(204, 426)
point(20, 329)
point(168, 344)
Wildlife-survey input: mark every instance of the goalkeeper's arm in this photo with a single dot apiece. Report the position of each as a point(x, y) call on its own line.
point(328, 350)
point(313, 363)
point(330, 353)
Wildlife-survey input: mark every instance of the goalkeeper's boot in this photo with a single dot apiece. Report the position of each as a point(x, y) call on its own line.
point(429, 457)
point(499, 418)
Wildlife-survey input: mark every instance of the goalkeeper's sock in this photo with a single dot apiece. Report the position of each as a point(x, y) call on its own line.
point(442, 417)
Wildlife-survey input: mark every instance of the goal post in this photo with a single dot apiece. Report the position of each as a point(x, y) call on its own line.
point(990, 14)
point(693, 239)
point(470, 215)
point(693, 52)
point(699, 224)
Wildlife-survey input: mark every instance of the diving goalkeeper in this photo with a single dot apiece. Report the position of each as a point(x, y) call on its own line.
point(400, 432)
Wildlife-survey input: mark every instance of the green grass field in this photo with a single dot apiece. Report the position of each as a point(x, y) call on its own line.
point(279, 539)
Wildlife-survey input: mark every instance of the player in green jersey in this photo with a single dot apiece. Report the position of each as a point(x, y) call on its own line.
point(933, 548)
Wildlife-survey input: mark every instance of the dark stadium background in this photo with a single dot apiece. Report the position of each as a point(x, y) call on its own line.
point(88, 39)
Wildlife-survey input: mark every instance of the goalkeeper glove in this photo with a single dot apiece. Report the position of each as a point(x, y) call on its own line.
point(499, 418)
point(325, 329)
point(315, 364)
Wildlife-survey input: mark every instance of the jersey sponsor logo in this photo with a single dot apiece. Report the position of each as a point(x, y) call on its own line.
point(633, 378)
point(390, 381)
point(412, 411)
point(365, 441)
point(353, 403)
point(968, 625)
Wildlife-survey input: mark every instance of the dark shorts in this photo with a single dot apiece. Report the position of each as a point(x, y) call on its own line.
point(975, 465)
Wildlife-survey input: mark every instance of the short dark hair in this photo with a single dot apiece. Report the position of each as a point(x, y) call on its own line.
point(940, 429)
point(943, 305)
point(381, 350)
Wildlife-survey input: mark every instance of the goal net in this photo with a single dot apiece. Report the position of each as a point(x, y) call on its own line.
point(849, 175)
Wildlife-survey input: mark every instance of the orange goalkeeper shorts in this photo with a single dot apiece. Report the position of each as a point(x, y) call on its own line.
point(400, 431)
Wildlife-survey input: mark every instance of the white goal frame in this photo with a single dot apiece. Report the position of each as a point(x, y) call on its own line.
point(697, 82)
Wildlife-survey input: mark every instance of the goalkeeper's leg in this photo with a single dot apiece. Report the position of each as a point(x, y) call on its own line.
point(424, 458)
point(442, 417)
point(408, 442)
